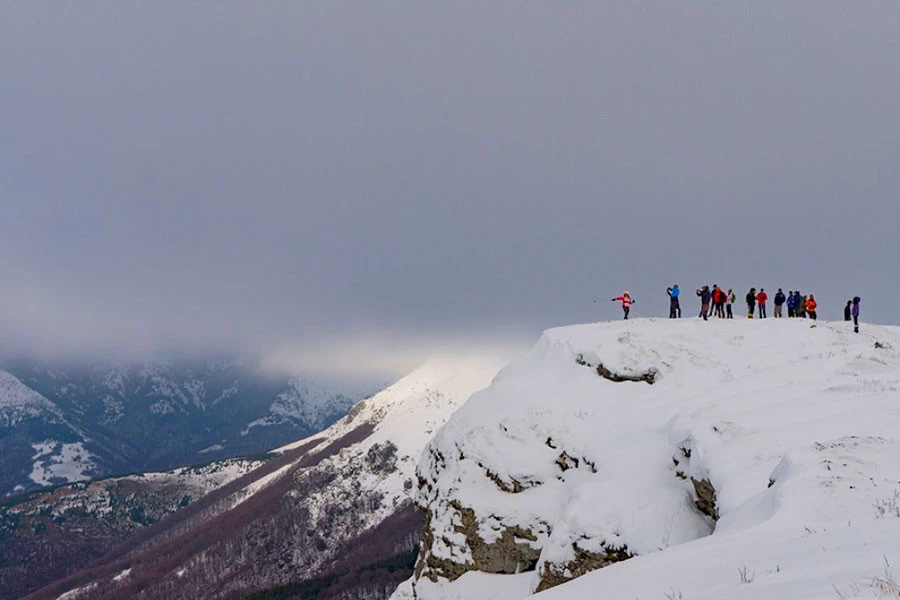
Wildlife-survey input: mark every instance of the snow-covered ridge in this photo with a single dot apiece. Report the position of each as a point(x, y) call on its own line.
point(737, 440)
point(403, 418)
point(19, 402)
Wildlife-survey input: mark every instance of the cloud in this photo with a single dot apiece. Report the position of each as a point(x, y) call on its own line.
point(250, 178)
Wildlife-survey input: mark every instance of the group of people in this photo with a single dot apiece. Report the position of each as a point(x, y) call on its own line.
point(721, 301)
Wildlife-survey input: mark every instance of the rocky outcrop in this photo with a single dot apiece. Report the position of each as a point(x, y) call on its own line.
point(512, 550)
point(649, 376)
point(553, 574)
point(706, 498)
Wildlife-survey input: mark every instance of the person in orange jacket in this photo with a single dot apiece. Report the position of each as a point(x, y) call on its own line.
point(811, 307)
point(626, 301)
point(761, 298)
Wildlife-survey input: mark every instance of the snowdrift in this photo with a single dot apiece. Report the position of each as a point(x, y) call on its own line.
point(670, 458)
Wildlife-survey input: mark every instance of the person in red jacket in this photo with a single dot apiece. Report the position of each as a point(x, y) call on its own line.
point(811, 305)
point(626, 301)
point(761, 298)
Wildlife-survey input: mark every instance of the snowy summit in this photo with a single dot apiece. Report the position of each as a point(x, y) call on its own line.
point(659, 459)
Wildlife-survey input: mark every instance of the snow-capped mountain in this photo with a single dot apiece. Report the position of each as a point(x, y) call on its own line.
point(672, 459)
point(340, 502)
point(62, 423)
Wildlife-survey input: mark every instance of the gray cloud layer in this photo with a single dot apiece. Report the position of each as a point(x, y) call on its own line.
point(254, 176)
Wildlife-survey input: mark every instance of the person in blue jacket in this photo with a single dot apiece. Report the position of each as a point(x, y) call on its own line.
point(674, 303)
point(779, 300)
point(790, 303)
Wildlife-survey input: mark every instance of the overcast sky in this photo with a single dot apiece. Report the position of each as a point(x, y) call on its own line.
point(382, 176)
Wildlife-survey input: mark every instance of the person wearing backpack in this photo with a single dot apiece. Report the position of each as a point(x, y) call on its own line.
point(730, 298)
point(761, 298)
point(626, 301)
point(750, 298)
point(674, 303)
point(811, 305)
point(704, 295)
point(779, 302)
point(855, 312)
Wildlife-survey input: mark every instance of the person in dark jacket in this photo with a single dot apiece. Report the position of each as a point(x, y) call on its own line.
point(674, 303)
point(751, 302)
point(799, 305)
point(779, 302)
point(848, 311)
point(704, 295)
point(855, 312)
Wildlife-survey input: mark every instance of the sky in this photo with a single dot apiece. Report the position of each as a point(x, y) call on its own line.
point(371, 181)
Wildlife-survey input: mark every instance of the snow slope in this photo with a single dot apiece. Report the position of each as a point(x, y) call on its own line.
point(404, 417)
point(18, 402)
point(556, 469)
point(335, 501)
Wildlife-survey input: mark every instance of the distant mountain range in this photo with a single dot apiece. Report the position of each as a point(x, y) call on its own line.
point(332, 512)
point(61, 423)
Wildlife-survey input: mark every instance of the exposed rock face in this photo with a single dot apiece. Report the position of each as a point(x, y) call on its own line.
point(706, 498)
point(528, 475)
point(511, 552)
point(553, 574)
point(649, 376)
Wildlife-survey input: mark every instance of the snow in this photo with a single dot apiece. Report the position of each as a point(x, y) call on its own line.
point(19, 402)
point(795, 427)
point(77, 592)
point(57, 461)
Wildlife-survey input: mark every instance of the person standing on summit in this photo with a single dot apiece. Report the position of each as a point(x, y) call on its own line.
point(848, 310)
point(730, 298)
point(779, 302)
point(811, 306)
point(719, 299)
point(761, 298)
point(626, 301)
point(751, 302)
point(855, 312)
point(704, 295)
point(674, 303)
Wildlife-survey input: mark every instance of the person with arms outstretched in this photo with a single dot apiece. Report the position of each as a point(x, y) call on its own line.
point(626, 301)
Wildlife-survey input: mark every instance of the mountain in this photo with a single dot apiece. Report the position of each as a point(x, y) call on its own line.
point(333, 510)
point(61, 423)
point(672, 459)
point(46, 535)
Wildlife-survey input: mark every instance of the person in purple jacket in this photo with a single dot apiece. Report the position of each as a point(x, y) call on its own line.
point(855, 312)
